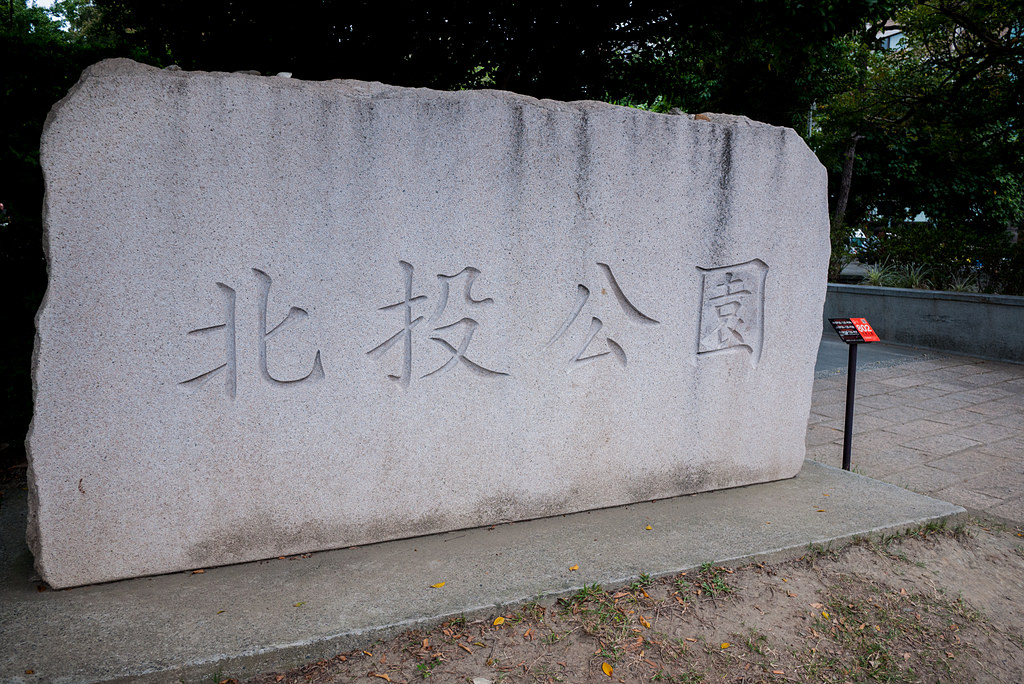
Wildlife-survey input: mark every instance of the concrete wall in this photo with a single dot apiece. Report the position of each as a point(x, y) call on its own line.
point(988, 326)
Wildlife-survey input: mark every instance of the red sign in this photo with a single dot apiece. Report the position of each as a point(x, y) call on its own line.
point(854, 330)
point(865, 329)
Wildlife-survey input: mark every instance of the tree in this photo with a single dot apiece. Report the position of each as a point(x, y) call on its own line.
point(933, 129)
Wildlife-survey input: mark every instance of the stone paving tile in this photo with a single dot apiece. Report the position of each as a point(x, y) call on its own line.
point(832, 410)
point(1014, 385)
point(942, 404)
point(830, 396)
point(816, 418)
point(959, 495)
point(877, 401)
point(987, 432)
point(923, 479)
point(1010, 449)
point(1014, 399)
point(944, 388)
point(817, 435)
point(1014, 420)
point(1005, 483)
point(917, 428)
point(917, 394)
point(940, 445)
point(901, 413)
point(951, 427)
point(905, 381)
point(985, 394)
point(862, 423)
point(969, 464)
point(990, 378)
point(994, 408)
point(1011, 510)
point(961, 417)
point(876, 441)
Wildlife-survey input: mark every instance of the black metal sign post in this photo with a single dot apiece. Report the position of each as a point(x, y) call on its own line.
point(853, 331)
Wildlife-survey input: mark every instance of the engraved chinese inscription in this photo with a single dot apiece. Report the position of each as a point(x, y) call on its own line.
point(229, 367)
point(467, 326)
point(732, 309)
point(596, 324)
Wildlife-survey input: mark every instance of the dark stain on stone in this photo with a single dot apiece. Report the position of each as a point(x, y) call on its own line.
point(517, 158)
point(584, 154)
point(725, 190)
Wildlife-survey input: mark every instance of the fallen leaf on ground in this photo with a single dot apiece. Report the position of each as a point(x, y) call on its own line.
point(380, 676)
point(644, 621)
point(300, 603)
point(198, 572)
point(824, 614)
point(498, 621)
point(821, 510)
point(691, 640)
point(437, 586)
point(648, 527)
point(279, 678)
point(574, 568)
point(778, 672)
point(465, 648)
point(607, 669)
point(528, 634)
point(726, 644)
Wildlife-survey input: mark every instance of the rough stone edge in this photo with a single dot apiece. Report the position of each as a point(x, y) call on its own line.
point(290, 655)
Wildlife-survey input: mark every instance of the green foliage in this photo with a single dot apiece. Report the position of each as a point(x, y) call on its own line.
point(937, 123)
point(842, 251)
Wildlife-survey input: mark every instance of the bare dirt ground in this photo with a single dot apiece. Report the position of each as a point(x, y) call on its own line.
point(939, 604)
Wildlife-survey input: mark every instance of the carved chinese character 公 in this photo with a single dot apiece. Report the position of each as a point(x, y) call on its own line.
point(614, 348)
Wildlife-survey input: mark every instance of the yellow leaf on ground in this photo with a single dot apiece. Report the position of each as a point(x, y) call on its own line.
point(437, 586)
point(645, 622)
point(574, 568)
point(498, 621)
point(300, 604)
point(465, 648)
point(607, 669)
point(648, 527)
point(824, 614)
point(380, 676)
point(821, 510)
point(726, 644)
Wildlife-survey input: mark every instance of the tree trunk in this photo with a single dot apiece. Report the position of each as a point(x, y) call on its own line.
point(839, 215)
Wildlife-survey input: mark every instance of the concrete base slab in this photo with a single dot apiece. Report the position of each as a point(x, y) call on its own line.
point(245, 619)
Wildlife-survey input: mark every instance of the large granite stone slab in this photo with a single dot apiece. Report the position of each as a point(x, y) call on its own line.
point(286, 316)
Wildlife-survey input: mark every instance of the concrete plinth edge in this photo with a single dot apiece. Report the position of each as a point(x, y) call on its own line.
point(245, 619)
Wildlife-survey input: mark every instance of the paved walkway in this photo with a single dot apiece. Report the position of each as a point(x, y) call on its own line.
point(951, 427)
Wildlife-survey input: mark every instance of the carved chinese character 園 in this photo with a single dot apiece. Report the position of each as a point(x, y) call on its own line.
point(732, 309)
point(457, 352)
point(614, 350)
point(229, 367)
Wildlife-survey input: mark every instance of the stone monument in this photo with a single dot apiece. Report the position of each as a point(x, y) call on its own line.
point(287, 316)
